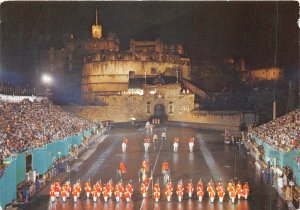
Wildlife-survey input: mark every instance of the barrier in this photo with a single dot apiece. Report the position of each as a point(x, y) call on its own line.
point(42, 161)
point(282, 158)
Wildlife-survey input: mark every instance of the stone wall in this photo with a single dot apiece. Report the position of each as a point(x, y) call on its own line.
point(113, 76)
point(178, 107)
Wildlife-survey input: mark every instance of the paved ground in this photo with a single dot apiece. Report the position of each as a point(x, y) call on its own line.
point(211, 159)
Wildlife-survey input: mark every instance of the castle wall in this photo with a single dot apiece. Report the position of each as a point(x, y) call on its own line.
point(179, 107)
point(113, 75)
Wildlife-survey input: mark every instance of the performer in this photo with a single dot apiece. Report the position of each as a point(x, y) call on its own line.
point(146, 165)
point(127, 193)
point(52, 193)
point(166, 171)
point(200, 190)
point(99, 188)
point(94, 193)
point(75, 193)
point(191, 143)
point(169, 190)
point(122, 167)
point(110, 187)
point(231, 191)
point(238, 189)
point(78, 188)
point(156, 192)
point(211, 191)
point(121, 188)
point(117, 194)
point(163, 136)
point(124, 144)
point(64, 193)
point(87, 188)
point(220, 191)
point(144, 188)
point(69, 188)
point(105, 192)
point(179, 190)
point(245, 190)
point(146, 144)
point(57, 188)
point(175, 144)
point(190, 189)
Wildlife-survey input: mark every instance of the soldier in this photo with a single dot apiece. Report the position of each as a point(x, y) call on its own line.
point(52, 193)
point(75, 193)
point(211, 191)
point(245, 190)
point(127, 193)
point(200, 190)
point(144, 188)
point(163, 136)
point(175, 144)
point(94, 193)
point(191, 144)
point(220, 191)
point(190, 189)
point(124, 144)
point(87, 188)
point(180, 190)
point(122, 167)
point(69, 188)
point(110, 187)
point(57, 188)
point(64, 193)
point(117, 193)
point(121, 188)
point(231, 191)
point(105, 192)
point(238, 189)
point(156, 192)
point(169, 190)
point(146, 144)
point(99, 188)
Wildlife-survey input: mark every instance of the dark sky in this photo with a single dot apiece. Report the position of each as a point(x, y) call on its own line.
point(206, 29)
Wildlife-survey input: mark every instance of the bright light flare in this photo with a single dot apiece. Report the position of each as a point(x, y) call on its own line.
point(47, 79)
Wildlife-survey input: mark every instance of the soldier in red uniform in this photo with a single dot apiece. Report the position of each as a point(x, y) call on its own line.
point(99, 188)
point(200, 190)
point(122, 167)
point(245, 190)
point(180, 190)
point(156, 192)
point(231, 191)
point(169, 190)
point(190, 189)
point(94, 193)
point(52, 193)
point(220, 191)
point(64, 193)
point(88, 188)
point(238, 189)
point(211, 191)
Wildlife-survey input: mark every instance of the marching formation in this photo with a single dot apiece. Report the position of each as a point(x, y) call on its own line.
point(118, 191)
point(111, 191)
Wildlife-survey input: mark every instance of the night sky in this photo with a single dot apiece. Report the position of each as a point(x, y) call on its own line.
point(207, 30)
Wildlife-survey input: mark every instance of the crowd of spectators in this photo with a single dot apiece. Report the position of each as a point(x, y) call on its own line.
point(283, 132)
point(27, 125)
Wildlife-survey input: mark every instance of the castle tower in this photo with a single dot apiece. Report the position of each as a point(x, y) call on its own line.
point(96, 29)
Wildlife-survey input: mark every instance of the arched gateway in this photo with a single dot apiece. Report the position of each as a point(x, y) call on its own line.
point(160, 113)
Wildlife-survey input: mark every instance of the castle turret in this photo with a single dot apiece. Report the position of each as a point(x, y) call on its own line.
point(96, 29)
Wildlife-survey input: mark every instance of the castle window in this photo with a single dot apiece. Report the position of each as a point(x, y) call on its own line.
point(171, 108)
point(148, 109)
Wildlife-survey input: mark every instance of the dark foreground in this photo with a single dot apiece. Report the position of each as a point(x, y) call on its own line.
point(211, 159)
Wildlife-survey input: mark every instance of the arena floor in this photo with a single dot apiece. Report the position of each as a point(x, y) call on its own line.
point(211, 159)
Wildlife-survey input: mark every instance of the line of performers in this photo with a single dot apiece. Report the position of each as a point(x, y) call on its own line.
point(119, 190)
point(147, 142)
point(95, 191)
